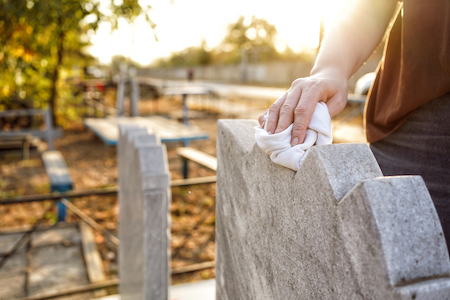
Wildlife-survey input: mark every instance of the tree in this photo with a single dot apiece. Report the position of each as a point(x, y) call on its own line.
point(256, 39)
point(40, 37)
point(192, 56)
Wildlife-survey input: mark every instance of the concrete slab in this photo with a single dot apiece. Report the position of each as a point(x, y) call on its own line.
point(67, 236)
point(55, 268)
point(12, 286)
point(16, 264)
point(52, 258)
point(13, 272)
point(8, 241)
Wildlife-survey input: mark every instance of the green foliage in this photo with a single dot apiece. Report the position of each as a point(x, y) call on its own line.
point(192, 56)
point(40, 39)
point(251, 43)
point(117, 60)
point(259, 33)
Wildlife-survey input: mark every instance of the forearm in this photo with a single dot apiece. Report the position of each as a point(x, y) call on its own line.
point(356, 33)
point(354, 36)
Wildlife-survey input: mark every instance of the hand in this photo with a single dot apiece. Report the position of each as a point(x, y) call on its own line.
point(298, 103)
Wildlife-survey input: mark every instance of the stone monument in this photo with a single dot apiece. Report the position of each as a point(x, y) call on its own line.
point(144, 198)
point(336, 229)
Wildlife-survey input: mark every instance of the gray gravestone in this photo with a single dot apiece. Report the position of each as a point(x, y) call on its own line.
point(336, 229)
point(144, 198)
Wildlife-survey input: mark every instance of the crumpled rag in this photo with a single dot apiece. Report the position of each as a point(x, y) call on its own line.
point(278, 145)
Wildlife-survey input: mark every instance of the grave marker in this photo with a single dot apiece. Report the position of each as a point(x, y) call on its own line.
point(143, 215)
point(336, 229)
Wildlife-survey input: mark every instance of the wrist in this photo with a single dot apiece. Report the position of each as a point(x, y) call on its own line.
point(328, 71)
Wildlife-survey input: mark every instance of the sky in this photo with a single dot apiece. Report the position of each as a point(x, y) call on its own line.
point(185, 23)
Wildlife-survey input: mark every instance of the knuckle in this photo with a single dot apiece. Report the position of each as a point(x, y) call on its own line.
point(297, 82)
point(277, 103)
point(273, 108)
point(300, 111)
point(299, 127)
point(286, 108)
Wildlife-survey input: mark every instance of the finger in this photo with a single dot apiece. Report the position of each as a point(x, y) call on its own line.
point(286, 116)
point(337, 103)
point(303, 113)
point(262, 118)
point(274, 111)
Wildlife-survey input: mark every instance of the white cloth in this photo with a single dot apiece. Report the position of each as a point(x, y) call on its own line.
point(278, 145)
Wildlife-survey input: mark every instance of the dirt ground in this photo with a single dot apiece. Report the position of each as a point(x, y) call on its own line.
point(92, 164)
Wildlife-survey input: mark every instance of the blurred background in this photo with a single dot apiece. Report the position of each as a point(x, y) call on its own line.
point(50, 48)
point(64, 62)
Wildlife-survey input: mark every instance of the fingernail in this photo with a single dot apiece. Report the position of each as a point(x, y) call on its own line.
point(269, 132)
point(294, 142)
point(262, 124)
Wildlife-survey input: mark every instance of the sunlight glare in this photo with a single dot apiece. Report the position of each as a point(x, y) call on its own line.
point(182, 24)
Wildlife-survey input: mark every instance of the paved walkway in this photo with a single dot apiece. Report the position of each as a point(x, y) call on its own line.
point(51, 261)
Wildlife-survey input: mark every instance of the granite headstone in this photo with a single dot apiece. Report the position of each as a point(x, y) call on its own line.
point(336, 229)
point(144, 220)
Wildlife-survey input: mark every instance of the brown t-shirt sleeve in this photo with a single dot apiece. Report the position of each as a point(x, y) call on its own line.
point(415, 68)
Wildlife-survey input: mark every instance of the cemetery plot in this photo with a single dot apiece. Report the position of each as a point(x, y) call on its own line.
point(92, 166)
point(46, 260)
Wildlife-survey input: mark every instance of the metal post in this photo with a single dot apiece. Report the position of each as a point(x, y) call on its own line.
point(185, 110)
point(185, 141)
point(60, 212)
point(185, 168)
point(26, 147)
point(49, 129)
point(121, 90)
point(134, 103)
